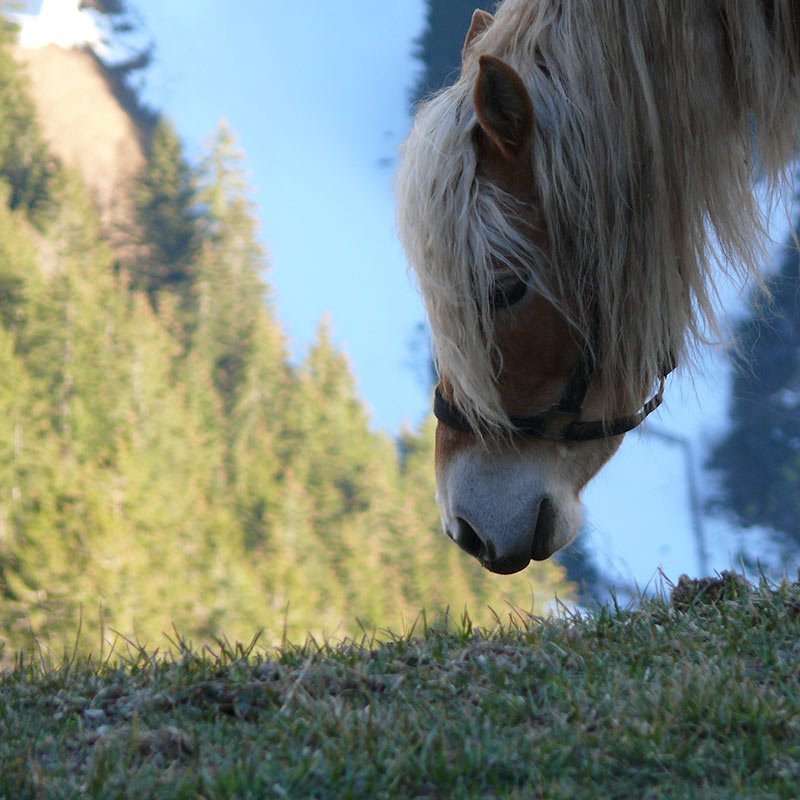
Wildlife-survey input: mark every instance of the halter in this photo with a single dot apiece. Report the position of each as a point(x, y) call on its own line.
point(562, 421)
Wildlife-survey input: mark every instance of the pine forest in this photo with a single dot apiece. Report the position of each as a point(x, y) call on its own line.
point(165, 466)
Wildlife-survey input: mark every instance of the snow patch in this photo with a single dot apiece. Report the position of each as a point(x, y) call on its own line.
point(59, 22)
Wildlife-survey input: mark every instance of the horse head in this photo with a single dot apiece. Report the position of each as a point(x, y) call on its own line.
point(558, 222)
point(511, 499)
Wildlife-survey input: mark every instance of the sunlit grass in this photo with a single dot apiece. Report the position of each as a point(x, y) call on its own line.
point(693, 694)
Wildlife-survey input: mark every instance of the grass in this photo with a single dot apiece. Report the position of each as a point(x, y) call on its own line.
point(695, 694)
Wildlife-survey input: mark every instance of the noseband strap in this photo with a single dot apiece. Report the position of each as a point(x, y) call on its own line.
point(562, 421)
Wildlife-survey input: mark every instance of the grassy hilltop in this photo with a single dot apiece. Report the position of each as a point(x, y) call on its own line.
point(695, 695)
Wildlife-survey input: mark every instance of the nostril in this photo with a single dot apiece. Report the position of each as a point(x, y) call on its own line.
point(465, 537)
point(532, 535)
point(543, 534)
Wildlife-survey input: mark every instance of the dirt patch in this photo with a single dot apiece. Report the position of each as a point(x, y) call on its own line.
point(708, 591)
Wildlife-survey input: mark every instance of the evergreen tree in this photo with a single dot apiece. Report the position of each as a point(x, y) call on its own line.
point(126, 58)
point(26, 165)
point(231, 292)
point(337, 445)
point(117, 10)
point(259, 454)
point(758, 460)
point(439, 47)
point(165, 204)
point(53, 518)
point(70, 340)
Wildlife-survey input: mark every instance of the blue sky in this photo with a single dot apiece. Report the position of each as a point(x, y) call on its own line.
point(317, 94)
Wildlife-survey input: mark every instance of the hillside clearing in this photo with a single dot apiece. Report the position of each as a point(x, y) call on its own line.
point(692, 695)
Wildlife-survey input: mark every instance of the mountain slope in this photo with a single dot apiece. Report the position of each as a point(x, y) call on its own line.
point(85, 125)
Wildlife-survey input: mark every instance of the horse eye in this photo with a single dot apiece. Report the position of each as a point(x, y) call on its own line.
point(508, 292)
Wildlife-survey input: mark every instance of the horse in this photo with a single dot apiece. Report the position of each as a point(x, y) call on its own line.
point(566, 205)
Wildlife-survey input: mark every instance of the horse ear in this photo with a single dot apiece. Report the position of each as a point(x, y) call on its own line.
point(503, 106)
point(481, 20)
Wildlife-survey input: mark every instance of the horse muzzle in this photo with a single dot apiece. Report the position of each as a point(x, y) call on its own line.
point(533, 538)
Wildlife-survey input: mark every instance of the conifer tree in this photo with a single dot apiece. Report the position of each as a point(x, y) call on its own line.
point(259, 452)
point(165, 202)
point(54, 517)
point(758, 460)
point(439, 47)
point(338, 445)
point(231, 292)
point(71, 337)
point(236, 341)
point(26, 165)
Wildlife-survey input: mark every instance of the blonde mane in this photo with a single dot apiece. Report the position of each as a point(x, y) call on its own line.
point(654, 118)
